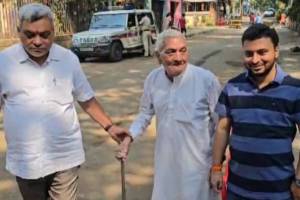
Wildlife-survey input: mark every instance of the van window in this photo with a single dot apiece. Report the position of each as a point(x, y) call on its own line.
point(131, 20)
point(108, 21)
point(151, 18)
point(196, 6)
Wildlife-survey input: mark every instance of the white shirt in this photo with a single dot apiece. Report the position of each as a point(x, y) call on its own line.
point(185, 123)
point(40, 122)
point(166, 23)
point(258, 19)
point(145, 22)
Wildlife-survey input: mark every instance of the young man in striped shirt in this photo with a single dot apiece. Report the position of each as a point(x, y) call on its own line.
point(259, 112)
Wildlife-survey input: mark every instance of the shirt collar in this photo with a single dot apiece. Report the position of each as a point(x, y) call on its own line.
point(280, 74)
point(53, 53)
point(180, 76)
point(23, 56)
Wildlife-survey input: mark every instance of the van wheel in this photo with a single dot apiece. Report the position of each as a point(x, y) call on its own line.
point(116, 53)
point(81, 58)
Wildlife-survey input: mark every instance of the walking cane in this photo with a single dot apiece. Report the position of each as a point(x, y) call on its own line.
point(123, 180)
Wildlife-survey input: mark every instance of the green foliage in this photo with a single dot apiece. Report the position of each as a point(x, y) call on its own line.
point(63, 12)
point(209, 21)
point(284, 1)
point(263, 4)
point(294, 11)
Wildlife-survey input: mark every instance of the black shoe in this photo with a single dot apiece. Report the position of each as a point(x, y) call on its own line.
point(295, 49)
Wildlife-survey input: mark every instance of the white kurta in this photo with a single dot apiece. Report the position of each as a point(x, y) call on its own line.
point(185, 125)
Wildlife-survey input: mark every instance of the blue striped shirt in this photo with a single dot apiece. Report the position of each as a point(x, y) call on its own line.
point(263, 128)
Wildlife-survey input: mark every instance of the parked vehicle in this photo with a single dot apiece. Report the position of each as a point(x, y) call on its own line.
point(111, 34)
point(270, 12)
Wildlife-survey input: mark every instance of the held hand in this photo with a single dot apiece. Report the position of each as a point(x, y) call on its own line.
point(295, 191)
point(216, 181)
point(124, 147)
point(118, 133)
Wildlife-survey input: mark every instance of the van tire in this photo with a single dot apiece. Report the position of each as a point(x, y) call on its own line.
point(81, 58)
point(116, 52)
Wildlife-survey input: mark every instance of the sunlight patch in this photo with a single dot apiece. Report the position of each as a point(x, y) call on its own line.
point(6, 185)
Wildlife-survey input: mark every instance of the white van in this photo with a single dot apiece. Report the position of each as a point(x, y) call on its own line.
point(111, 34)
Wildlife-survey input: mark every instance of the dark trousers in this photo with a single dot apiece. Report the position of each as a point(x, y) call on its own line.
point(183, 31)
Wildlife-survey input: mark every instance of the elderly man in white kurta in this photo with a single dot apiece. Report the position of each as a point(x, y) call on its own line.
point(39, 82)
point(183, 97)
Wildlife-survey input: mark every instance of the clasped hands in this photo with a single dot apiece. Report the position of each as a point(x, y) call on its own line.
point(123, 138)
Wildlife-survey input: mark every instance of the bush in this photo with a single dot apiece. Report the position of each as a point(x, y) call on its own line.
point(294, 11)
point(209, 21)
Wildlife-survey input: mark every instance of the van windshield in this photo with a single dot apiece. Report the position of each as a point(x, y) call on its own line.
point(108, 21)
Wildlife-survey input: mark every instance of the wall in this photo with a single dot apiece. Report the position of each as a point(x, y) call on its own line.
point(202, 18)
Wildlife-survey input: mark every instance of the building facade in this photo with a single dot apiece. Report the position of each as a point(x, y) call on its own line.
point(197, 12)
point(200, 12)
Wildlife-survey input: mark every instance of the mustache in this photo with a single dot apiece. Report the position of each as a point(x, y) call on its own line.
point(177, 62)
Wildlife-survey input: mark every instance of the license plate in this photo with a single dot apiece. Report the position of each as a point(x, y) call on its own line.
point(86, 49)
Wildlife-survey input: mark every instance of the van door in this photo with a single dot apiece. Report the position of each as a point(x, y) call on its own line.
point(133, 32)
point(153, 27)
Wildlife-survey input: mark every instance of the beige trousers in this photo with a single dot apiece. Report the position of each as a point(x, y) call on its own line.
point(61, 185)
point(146, 36)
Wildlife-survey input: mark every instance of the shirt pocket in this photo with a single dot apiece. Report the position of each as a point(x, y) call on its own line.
point(60, 92)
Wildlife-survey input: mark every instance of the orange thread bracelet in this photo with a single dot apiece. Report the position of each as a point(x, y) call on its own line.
point(216, 168)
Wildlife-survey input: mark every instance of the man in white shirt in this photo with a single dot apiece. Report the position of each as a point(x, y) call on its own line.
point(167, 22)
point(183, 97)
point(145, 23)
point(39, 82)
point(258, 18)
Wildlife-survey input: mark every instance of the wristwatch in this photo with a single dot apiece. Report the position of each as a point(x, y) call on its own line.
point(297, 182)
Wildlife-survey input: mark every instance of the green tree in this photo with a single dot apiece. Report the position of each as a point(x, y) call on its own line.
point(263, 4)
point(294, 11)
point(284, 1)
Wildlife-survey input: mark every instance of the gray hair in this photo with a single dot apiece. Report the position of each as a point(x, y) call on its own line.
point(169, 33)
point(33, 12)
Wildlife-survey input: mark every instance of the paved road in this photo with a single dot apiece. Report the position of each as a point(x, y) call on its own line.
point(118, 86)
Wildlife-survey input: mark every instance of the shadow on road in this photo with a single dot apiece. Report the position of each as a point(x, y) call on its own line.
point(207, 56)
point(106, 60)
point(234, 63)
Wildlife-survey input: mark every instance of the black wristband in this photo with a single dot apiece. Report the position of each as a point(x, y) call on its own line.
point(108, 127)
